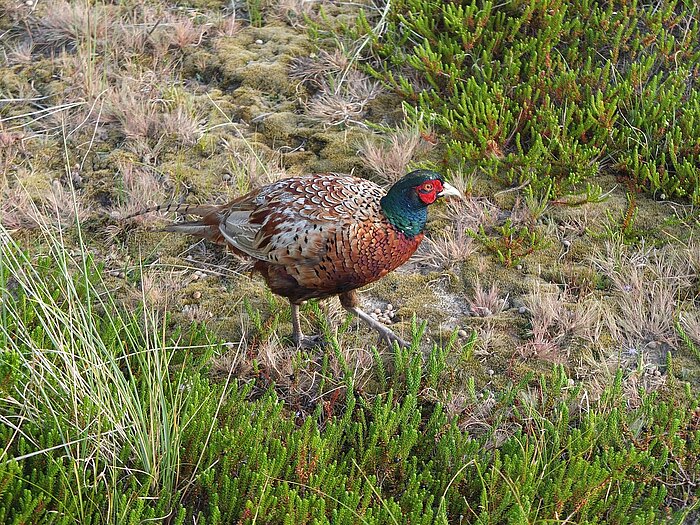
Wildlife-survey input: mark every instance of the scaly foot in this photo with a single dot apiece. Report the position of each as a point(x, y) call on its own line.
point(308, 341)
point(385, 334)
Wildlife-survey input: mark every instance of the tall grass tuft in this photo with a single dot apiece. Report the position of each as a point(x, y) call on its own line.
point(99, 375)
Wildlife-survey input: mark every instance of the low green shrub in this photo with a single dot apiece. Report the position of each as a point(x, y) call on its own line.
point(552, 93)
point(223, 452)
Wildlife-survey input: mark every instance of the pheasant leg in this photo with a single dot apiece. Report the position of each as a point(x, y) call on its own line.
point(301, 340)
point(349, 300)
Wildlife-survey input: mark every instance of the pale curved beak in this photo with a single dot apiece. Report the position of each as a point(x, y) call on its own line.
point(449, 190)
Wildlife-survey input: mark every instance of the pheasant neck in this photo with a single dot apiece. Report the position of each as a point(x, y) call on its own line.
point(404, 213)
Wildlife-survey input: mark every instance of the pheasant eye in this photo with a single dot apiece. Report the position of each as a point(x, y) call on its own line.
point(428, 186)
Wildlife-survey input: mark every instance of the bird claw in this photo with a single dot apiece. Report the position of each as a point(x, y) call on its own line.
point(309, 341)
point(389, 337)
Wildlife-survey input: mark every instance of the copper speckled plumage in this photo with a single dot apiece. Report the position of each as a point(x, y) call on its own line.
point(316, 236)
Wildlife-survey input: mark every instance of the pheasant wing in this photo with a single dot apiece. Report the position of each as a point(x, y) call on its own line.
point(290, 222)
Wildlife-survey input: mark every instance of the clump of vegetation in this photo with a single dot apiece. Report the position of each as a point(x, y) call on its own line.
point(511, 243)
point(104, 419)
point(550, 93)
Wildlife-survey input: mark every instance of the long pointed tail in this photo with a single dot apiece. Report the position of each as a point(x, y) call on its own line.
point(192, 209)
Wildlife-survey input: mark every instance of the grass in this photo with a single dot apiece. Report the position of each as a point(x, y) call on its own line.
point(108, 419)
point(95, 378)
point(553, 372)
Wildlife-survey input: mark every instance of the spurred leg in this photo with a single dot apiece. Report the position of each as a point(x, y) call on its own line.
point(350, 302)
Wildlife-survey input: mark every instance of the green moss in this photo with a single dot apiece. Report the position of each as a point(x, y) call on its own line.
point(336, 151)
point(244, 62)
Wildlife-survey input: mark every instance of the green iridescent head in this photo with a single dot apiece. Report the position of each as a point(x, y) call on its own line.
point(406, 203)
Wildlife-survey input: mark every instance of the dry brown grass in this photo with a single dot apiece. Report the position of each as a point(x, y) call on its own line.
point(182, 122)
point(489, 337)
point(56, 205)
point(251, 168)
point(347, 106)
point(159, 288)
point(452, 246)
point(227, 25)
point(66, 25)
point(141, 188)
point(342, 92)
point(12, 146)
point(390, 156)
point(295, 12)
point(640, 376)
point(485, 303)
point(690, 322)
point(555, 318)
point(19, 53)
point(17, 210)
point(315, 70)
point(65, 206)
point(148, 111)
point(183, 32)
point(649, 285)
point(446, 250)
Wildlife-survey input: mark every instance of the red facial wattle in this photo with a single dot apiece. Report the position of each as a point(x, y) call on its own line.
point(428, 191)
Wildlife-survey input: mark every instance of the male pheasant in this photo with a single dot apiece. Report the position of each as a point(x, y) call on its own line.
point(315, 236)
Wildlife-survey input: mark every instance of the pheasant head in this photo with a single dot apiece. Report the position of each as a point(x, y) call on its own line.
point(406, 203)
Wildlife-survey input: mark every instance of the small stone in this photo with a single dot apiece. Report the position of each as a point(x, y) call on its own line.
point(571, 381)
point(566, 242)
point(519, 267)
point(392, 315)
point(377, 311)
point(258, 41)
point(663, 197)
point(197, 295)
point(491, 372)
point(226, 177)
point(462, 334)
point(389, 306)
point(522, 310)
point(657, 373)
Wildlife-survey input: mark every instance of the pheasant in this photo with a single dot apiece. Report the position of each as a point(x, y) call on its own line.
point(316, 236)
